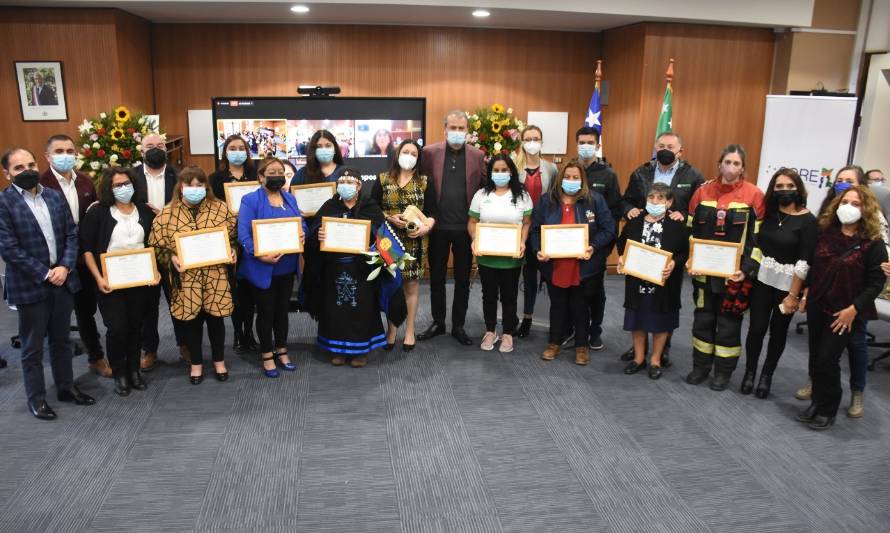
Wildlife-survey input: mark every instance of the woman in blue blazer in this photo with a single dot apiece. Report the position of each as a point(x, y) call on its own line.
point(271, 276)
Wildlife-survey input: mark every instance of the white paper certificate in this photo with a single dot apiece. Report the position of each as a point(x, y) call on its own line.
point(498, 239)
point(714, 258)
point(277, 236)
point(236, 190)
point(345, 235)
point(310, 198)
point(130, 268)
point(645, 262)
point(202, 248)
point(564, 240)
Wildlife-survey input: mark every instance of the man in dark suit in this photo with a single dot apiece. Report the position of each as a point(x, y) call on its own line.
point(41, 93)
point(38, 242)
point(456, 171)
point(157, 178)
point(80, 193)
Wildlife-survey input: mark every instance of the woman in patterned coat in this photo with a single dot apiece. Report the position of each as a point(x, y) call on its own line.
point(199, 295)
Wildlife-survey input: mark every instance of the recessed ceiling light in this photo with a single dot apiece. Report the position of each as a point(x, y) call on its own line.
point(300, 9)
point(481, 13)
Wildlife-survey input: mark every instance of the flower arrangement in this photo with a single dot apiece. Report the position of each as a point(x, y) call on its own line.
point(495, 130)
point(112, 139)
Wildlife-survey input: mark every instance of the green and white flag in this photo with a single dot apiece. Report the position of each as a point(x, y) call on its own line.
point(665, 119)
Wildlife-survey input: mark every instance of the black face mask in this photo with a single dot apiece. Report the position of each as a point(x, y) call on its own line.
point(274, 183)
point(786, 198)
point(155, 158)
point(26, 180)
point(665, 157)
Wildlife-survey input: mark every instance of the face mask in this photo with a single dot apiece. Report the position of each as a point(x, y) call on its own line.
point(457, 138)
point(571, 187)
point(656, 210)
point(841, 187)
point(63, 162)
point(324, 155)
point(346, 190)
point(587, 151)
point(665, 157)
point(274, 183)
point(785, 198)
point(236, 157)
point(26, 180)
point(848, 213)
point(532, 147)
point(194, 195)
point(407, 161)
point(123, 194)
point(500, 178)
point(155, 158)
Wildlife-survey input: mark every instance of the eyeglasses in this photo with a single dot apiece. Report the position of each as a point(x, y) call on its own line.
point(119, 185)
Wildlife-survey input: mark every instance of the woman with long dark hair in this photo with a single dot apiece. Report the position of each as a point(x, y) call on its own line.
point(323, 160)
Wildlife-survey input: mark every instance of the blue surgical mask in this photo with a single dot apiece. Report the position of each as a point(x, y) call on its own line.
point(571, 187)
point(236, 157)
point(587, 151)
point(194, 195)
point(324, 155)
point(123, 194)
point(347, 190)
point(457, 138)
point(656, 210)
point(63, 162)
point(841, 187)
point(500, 178)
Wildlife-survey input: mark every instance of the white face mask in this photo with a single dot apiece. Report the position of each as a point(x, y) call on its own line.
point(407, 161)
point(848, 214)
point(532, 147)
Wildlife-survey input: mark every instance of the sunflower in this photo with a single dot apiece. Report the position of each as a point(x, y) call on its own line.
point(117, 134)
point(121, 114)
point(497, 108)
point(495, 127)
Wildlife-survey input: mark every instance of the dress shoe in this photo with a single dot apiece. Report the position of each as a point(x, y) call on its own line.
point(358, 362)
point(389, 346)
point(719, 382)
point(551, 352)
point(196, 380)
point(763, 386)
point(290, 366)
point(628, 355)
point(121, 387)
point(270, 372)
point(434, 330)
point(524, 328)
point(696, 377)
point(136, 381)
point(633, 367)
point(458, 333)
point(820, 422)
point(582, 356)
point(748, 382)
point(101, 368)
point(808, 414)
point(221, 376)
point(40, 409)
point(407, 347)
point(654, 371)
point(338, 360)
point(147, 361)
point(74, 396)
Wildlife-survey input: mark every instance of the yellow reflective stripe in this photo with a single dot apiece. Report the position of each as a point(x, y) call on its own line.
point(737, 205)
point(757, 224)
point(700, 297)
point(709, 203)
point(689, 219)
point(726, 351)
point(701, 279)
point(702, 346)
point(757, 255)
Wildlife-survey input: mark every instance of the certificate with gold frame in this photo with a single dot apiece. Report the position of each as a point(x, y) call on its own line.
point(500, 240)
point(560, 241)
point(345, 235)
point(236, 190)
point(273, 236)
point(714, 258)
point(130, 268)
point(312, 196)
point(203, 247)
point(645, 262)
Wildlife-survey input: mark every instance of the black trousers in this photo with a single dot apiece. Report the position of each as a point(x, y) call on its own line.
point(503, 283)
point(716, 337)
point(597, 305)
point(272, 307)
point(457, 242)
point(51, 319)
point(242, 315)
point(123, 312)
point(85, 314)
point(150, 337)
point(570, 308)
point(194, 336)
point(530, 280)
point(765, 315)
point(826, 348)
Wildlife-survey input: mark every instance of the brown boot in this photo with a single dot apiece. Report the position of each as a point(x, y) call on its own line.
point(551, 352)
point(100, 367)
point(147, 361)
point(358, 362)
point(184, 355)
point(581, 355)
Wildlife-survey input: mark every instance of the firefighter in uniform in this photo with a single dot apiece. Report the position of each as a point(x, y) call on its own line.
point(729, 209)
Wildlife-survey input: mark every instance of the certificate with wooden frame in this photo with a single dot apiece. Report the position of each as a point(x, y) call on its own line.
point(345, 235)
point(714, 258)
point(501, 240)
point(645, 262)
point(273, 236)
point(236, 190)
point(203, 247)
point(311, 197)
point(130, 268)
point(415, 215)
point(564, 240)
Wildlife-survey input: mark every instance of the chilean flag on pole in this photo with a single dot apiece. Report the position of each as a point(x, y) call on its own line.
point(594, 111)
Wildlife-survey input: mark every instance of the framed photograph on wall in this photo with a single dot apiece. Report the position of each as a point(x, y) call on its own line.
point(41, 90)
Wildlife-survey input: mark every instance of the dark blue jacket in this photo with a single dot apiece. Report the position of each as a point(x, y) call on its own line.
point(24, 250)
point(592, 210)
point(256, 206)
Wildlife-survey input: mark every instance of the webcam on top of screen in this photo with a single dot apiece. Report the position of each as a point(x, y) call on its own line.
point(317, 90)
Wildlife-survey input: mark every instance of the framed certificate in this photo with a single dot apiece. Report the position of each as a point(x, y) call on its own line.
point(345, 235)
point(204, 247)
point(311, 197)
point(714, 258)
point(645, 262)
point(130, 268)
point(236, 190)
point(502, 240)
point(415, 215)
point(564, 240)
point(275, 236)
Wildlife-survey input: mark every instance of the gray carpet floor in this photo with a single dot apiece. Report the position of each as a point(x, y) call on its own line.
point(444, 438)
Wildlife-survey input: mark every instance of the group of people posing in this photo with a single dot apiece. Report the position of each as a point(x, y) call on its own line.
point(55, 226)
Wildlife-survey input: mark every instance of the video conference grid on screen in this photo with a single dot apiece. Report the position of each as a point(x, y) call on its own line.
point(367, 129)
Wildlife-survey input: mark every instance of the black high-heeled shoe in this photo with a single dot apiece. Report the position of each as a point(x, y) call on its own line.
point(407, 347)
point(196, 380)
point(221, 376)
point(389, 346)
point(763, 386)
point(748, 382)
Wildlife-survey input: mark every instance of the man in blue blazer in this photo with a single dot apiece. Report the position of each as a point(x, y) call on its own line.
point(38, 242)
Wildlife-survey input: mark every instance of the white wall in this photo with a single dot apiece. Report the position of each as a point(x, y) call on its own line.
point(874, 132)
point(879, 27)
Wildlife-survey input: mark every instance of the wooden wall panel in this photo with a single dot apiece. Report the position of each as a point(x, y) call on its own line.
point(134, 62)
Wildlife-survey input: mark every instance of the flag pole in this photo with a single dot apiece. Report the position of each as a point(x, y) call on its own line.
point(598, 75)
point(669, 75)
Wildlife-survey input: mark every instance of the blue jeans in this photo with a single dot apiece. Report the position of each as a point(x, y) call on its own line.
point(857, 352)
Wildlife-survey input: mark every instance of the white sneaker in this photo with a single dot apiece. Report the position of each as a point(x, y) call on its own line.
point(506, 344)
point(488, 341)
